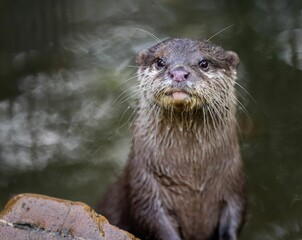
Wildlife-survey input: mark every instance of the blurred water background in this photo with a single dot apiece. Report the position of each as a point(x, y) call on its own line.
point(66, 67)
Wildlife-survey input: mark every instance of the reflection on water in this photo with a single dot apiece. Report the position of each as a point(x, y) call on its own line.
point(290, 230)
point(291, 47)
point(67, 68)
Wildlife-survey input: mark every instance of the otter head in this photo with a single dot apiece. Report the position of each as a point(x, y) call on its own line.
point(187, 75)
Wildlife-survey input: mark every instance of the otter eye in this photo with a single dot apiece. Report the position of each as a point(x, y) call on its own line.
point(203, 64)
point(160, 63)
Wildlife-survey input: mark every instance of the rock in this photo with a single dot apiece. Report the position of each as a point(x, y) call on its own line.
point(33, 216)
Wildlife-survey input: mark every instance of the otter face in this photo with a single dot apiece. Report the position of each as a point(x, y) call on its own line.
point(186, 75)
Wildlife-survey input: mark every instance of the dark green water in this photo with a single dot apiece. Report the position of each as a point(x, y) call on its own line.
point(64, 130)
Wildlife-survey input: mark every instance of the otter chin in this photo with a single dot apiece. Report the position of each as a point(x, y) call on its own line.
point(184, 177)
point(179, 100)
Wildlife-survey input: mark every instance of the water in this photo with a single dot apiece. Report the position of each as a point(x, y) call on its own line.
point(65, 118)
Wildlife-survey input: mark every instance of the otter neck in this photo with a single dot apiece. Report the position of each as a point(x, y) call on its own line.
point(162, 132)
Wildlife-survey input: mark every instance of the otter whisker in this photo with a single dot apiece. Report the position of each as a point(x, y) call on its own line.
point(126, 81)
point(239, 85)
point(131, 66)
point(242, 107)
point(151, 35)
point(131, 97)
point(123, 117)
point(124, 94)
point(133, 118)
point(119, 96)
point(214, 120)
point(133, 76)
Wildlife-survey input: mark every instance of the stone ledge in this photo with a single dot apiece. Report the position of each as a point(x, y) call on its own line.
point(33, 216)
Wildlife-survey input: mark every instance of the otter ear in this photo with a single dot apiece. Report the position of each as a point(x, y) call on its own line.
point(232, 59)
point(142, 56)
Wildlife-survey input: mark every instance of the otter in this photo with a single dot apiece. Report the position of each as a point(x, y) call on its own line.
point(184, 176)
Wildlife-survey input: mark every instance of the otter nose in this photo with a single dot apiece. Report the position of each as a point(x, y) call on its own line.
point(179, 74)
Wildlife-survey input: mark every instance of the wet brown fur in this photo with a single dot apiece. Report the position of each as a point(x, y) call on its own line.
point(184, 176)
